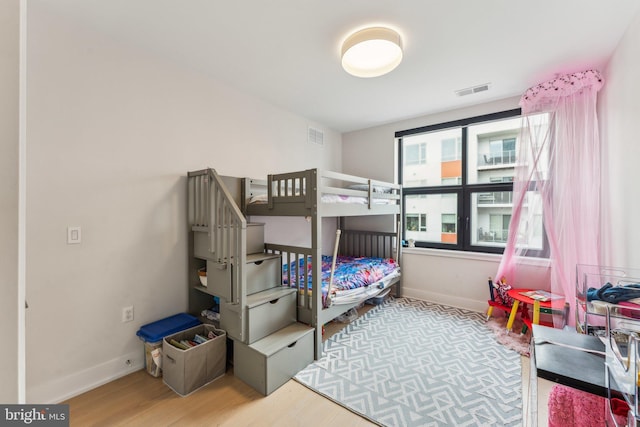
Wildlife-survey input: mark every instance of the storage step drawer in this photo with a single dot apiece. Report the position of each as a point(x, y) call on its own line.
point(269, 363)
point(266, 312)
point(262, 272)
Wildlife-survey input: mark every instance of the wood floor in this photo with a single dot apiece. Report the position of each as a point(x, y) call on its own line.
point(142, 400)
point(139, 399)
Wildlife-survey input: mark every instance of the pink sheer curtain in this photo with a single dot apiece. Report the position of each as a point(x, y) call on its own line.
point(557, 182)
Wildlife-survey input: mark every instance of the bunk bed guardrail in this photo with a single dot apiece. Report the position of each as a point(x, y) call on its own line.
point(371, 243)
point(297, 275)
point(307, 189)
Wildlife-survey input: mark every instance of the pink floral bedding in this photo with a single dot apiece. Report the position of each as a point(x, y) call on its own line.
point(350, 272)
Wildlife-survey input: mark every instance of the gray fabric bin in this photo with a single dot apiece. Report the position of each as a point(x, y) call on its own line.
point(185, 371)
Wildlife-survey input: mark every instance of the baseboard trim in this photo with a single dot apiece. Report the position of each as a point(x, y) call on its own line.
point(450, 300)
point(61, 389)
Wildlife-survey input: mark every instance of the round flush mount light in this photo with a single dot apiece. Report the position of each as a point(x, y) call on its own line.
point(371, 52)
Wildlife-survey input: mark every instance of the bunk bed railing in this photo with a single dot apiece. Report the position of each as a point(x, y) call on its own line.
point(294, 187)
point(297, 273)
point(308, 187)
point(368, 243)
point(212, 206)
point(348, 242)
point(228, 231)
point(357, 186)
point(198, 199)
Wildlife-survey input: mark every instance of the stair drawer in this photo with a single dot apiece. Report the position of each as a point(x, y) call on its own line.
point(265, 315)
point(269, 363)
point(268, 317)
point(260, 275)
point(263, 274)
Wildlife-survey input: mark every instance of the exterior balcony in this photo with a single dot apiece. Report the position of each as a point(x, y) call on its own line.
point(495, 199)
point(505, 159)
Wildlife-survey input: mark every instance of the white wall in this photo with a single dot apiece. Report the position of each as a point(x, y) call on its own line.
point(9, 75)
point(112, 133)
point(447, 277)
point(619, 110)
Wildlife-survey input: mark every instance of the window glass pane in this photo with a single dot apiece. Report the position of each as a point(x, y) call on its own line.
point(492, 149)
point(429, 215)
point(530, 232)
point(491, 215)
point(432, 159)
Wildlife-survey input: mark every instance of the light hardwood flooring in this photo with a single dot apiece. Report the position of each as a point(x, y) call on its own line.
point(139, 399)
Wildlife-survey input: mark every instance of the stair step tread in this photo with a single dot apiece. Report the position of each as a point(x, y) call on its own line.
point(265, 296)
point(281, 338)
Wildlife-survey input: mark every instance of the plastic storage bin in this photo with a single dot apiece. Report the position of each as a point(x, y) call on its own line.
point(185, 371)
point(153, 333)
point(590, 313)
point(378, 299)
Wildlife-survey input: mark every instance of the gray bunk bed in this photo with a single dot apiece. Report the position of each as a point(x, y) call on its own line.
point(317, 194)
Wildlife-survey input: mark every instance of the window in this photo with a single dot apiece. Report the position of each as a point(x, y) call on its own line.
point(416, 222)
point(418, 209)
point(451, 149)
point(415, 154)
point(465, 184)
point(449, 222)
point(502, 151)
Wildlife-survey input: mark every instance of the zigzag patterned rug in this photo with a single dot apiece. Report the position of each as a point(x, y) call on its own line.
point(415, 363)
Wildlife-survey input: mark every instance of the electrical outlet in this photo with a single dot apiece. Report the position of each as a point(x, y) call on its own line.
point(127, 314)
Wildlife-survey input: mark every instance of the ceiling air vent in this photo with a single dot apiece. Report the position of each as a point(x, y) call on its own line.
point(474, 89)
point(315, 136)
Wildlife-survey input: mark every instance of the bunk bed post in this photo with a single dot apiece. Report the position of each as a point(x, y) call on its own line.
point(316, 248)
point(399, 254)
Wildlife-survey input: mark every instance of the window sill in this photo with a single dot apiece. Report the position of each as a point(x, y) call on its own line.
point(477, 256)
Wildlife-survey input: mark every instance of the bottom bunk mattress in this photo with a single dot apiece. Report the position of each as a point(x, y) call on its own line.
point(354, 279)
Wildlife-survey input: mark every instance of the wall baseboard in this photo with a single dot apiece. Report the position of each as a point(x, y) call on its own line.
point(61, 389)
point(450, 300)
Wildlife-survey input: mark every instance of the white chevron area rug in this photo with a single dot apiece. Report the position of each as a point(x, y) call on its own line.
point(415, 363)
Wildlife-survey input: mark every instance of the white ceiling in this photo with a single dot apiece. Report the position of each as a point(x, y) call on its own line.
point(287, 51)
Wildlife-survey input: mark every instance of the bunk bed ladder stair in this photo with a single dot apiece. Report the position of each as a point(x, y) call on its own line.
point(256, 310)
point(275, 347)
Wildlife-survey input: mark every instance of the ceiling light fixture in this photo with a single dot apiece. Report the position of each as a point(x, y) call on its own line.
point(371, 52)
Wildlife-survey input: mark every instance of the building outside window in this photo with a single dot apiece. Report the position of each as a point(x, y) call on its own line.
point(415, 154)
point(449, 223)
point(463, 184)
point(416, 222)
